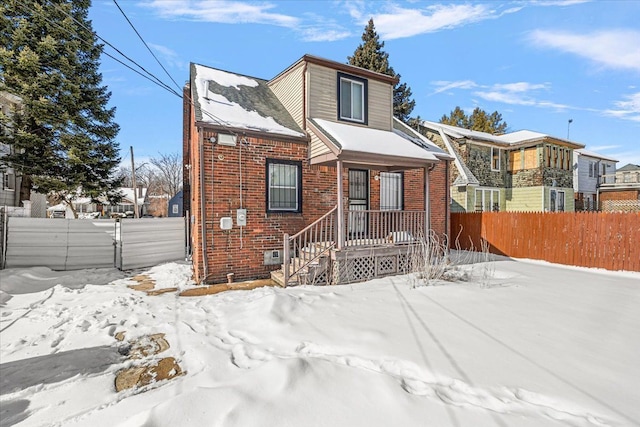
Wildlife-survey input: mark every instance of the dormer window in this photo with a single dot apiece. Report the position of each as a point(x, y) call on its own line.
point(352, 98)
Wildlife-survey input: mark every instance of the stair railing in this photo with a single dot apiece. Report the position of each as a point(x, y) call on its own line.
point(309, 244)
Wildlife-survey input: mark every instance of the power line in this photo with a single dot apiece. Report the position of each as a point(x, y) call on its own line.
point(146, 45)
point(218, 120)
point(159, 82)
point(154, 79)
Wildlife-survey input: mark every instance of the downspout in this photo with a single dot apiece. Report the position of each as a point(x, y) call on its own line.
point(203, 212)
point(304, 98)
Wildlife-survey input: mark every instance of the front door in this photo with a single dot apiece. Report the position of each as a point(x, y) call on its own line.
point(358, 201)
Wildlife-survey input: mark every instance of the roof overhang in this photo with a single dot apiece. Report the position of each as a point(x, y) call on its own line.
point(251, 132)
point(358, 146)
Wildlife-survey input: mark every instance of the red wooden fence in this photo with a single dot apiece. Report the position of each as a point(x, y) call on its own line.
point(587, 239)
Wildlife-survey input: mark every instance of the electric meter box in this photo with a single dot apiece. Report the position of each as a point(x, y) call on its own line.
point(241, 217)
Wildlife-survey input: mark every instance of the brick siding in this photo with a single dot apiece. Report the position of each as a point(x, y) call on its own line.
point(241, 250)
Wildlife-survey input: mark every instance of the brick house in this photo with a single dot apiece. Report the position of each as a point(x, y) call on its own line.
point(308, 170)
point(517, 171)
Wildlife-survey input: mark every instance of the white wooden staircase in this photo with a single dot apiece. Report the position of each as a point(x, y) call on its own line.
point(307, 254)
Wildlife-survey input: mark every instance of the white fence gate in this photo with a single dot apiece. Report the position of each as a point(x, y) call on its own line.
point(69, 244)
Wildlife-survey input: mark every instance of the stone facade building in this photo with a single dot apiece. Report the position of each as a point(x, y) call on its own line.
point(518, 171)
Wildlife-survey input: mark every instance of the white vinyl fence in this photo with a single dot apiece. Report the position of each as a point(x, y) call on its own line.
point(70, 244)
point(149, 241)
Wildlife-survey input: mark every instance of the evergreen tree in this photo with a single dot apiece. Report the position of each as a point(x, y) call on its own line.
point(478, 120)
point(369, 55)
point(62, 134)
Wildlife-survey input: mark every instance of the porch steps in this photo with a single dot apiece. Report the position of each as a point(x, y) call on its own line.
point(305, 276)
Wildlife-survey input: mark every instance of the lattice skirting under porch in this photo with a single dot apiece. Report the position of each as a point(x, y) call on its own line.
point(357, 265)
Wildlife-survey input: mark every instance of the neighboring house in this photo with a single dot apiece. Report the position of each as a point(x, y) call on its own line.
point(176, 204)
point(85, 208)
point(314, 154)
point(590, 171)
point(11, 181)
point(517, 171)
point(621, 191)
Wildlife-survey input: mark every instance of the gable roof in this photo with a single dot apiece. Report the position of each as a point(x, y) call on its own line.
point(239, 102)
point(583, 152)
point(517, 138)
point(629, 167)
point(339, 66)
point(420, 140)
point(365, 145)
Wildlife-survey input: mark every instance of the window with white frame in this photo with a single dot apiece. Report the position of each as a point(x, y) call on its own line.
point(284, 186)
point(352, 98)
point(9, 181)
point(495, 158)
point(391, 191)
point(592, 167)
point(556, 200)
point(487, 200)
point(174, 209)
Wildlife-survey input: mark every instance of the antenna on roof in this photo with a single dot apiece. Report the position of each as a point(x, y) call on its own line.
point(568, 125)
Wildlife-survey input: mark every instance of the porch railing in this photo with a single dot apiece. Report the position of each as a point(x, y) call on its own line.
point(309, 244)
point(363, 228)
point(377, 227)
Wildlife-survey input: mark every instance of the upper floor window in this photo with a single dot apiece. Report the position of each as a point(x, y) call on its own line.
point(352, 98)
point(495, 159)
point(9, 181)
point(284, 186)
point(592, 169)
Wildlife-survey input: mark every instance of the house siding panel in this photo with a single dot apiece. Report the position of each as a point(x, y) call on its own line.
point(289, 90)
point(323, 91)
point(524, 199)
point(316, 146)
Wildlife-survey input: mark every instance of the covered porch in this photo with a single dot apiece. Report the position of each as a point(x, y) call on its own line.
point(373, 228)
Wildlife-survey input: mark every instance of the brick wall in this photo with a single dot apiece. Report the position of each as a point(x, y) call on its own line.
point(620, 195)
point(241, 250)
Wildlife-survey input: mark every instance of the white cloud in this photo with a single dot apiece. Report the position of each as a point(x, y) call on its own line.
point(627, 109)
point(222, 11)
point(603, 147)
point(557, 2)
point(401, 22)
point(444, 86)
point(168, 55)
point(612, 48)
point(320, 34)
point(521, 86)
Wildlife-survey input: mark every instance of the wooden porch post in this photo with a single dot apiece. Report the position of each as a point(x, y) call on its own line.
point(340, 227)
point(427, 203)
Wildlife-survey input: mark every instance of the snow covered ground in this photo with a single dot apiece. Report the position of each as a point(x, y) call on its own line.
point(535, 345)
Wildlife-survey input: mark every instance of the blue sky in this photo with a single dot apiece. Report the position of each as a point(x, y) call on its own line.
point(539, 63)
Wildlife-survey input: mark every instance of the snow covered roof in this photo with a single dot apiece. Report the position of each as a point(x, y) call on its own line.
point(593, 154)
point(511, 138)
point(226, 99)
point(364, 140)
point(420, 140)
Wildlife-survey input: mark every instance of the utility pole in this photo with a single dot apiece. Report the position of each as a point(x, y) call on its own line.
point(135, 187)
